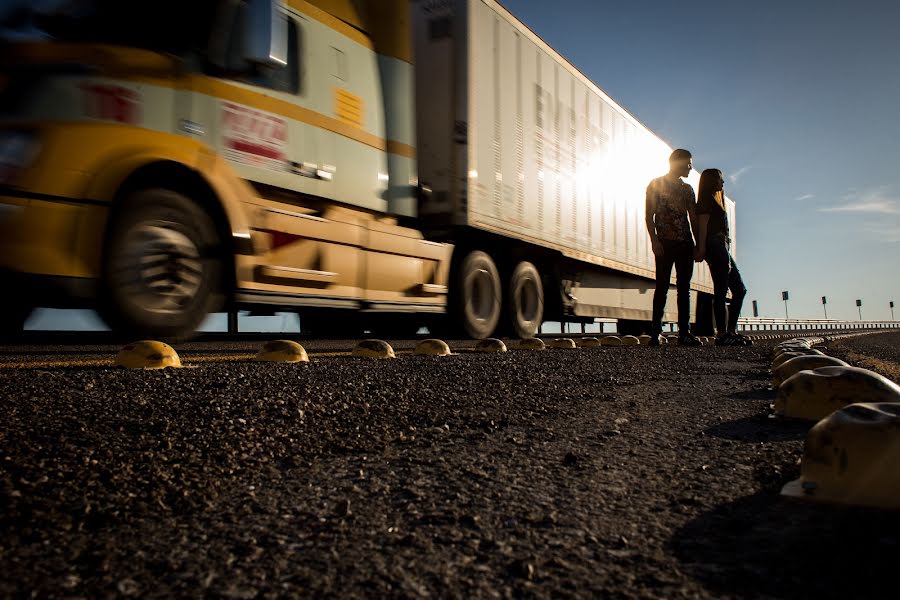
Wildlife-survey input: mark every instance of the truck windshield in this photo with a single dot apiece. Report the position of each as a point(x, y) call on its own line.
point(173, 26)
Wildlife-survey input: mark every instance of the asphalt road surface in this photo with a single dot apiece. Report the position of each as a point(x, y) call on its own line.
point(608, 472)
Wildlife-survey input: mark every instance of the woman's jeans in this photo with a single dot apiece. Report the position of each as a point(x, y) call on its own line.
point(725, 276)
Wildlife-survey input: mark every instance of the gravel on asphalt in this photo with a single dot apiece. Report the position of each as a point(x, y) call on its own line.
point(612, 472)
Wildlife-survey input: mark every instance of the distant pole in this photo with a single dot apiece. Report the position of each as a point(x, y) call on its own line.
point(892, 310)
point(859, 307)
point(785, 296)
point(755, 310)
point(232, 321)
point(825, 306)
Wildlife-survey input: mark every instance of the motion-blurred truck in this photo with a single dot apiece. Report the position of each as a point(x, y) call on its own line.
point(366, 163)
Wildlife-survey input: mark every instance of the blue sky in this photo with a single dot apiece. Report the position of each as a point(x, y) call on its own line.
point(798, 102)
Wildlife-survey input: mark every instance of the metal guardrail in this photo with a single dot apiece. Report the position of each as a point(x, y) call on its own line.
point(747, 325)
point(751, 325)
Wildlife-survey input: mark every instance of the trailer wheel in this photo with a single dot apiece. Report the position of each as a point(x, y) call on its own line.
point(478, 296)
point(162, 266)
point(525, 300)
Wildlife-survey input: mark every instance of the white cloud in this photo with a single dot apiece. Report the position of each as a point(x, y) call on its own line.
point(738, 174)
point(874, 201)
point(804, 197)
point(884, 233)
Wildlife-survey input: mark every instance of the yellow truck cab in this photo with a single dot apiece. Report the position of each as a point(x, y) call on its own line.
point(163, 161)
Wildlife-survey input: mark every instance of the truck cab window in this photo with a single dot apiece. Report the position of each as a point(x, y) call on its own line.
point(282, 79)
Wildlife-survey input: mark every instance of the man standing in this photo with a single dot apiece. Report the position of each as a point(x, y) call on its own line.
point(671, 217)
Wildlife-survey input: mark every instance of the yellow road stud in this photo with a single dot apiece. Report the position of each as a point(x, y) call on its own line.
point(589, 342)
point(645, 340)
point(373, 349)
point(791, 347)
point(432, 348)
point(562, 343)
point(490, 345)
point(630, 340)
point(816, 394)
point(611, 340)
point(282, 351)
point(147, 354)
point(803, 363)
point(851, 457)
point(786, 356)
point(531, 344)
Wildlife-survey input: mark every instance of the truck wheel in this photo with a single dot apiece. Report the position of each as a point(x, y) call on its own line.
point(478, 295)
point(525, 300)
point(162, 266)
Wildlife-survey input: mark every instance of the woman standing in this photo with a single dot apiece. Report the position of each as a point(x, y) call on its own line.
point(713, 245)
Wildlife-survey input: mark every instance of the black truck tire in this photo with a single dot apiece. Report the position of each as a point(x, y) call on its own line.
point(525, 300)
point(163, 266)
point(478, 296)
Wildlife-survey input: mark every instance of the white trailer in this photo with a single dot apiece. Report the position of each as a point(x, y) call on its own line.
point(524, 153)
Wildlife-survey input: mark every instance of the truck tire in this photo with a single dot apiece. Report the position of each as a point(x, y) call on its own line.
point(478, 295)
point(525, 300)
point(162, 266)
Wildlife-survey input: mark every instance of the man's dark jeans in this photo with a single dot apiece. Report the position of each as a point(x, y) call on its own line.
point(681, 255)
point(725, 276)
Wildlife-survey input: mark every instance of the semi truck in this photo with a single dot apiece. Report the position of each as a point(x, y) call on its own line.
point(369, 164)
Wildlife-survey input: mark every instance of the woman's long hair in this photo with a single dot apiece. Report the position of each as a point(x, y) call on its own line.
point(708, 186)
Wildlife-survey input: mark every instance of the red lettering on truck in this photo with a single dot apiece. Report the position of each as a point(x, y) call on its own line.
point(112, 103)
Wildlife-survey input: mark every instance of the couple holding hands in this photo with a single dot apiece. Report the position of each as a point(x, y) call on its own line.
point(684, 230)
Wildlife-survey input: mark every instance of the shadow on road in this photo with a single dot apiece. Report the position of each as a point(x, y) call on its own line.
point(760, 428)
point(768, 545)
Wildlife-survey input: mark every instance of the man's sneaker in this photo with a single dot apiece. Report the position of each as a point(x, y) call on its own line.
point(729, 339)
point(654, 340)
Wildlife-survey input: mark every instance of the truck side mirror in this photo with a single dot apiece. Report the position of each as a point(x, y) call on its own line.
point(266, 33)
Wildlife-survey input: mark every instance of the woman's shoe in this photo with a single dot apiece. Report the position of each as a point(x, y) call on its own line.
point(689, 339)
point(726, 339)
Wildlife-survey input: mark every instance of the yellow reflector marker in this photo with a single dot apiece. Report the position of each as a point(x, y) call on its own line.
point(786, 356)
point(644, 340)
point(432, 348)
point(782, 350)
point(851, 457)
point(147, 354)
point(563, 343)
point(611, 340)
point(373, 349)
point(803, 363)
point(282, 351)
point(816, 394)
point(490, 345)
point(589, 342)
point(792, 347)
point(630, 340)
point(531, 344)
